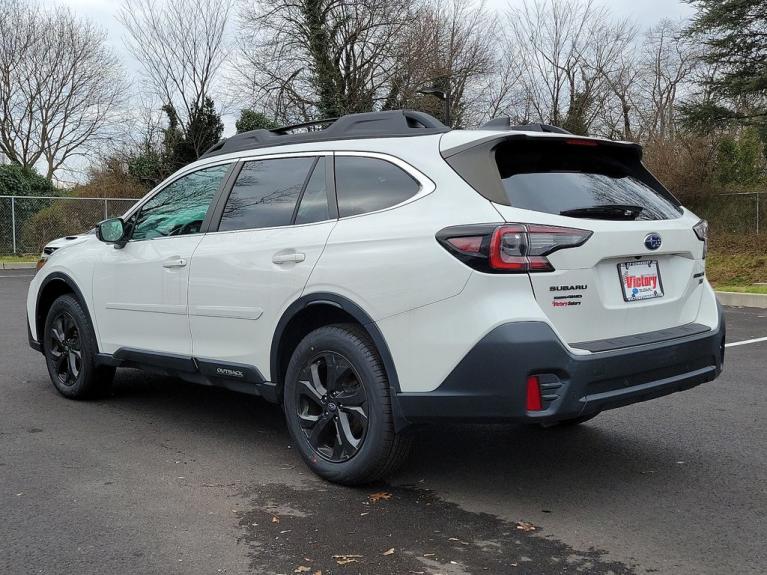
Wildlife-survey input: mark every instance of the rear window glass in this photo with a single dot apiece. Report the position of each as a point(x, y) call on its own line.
point(581, 181)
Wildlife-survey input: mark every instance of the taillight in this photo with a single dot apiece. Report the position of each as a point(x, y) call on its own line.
point(701, 231)
point(509, 248)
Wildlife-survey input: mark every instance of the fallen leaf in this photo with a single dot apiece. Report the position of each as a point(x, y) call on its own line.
point(345, 556)
point(275, 519)
point(378, 496)
point(389, 552)
point(525, 526)
point(301, 569)
point(317, 573)
point(346, 559)
point(429, 554)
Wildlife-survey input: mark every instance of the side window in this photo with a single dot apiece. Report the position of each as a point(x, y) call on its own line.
point(265, 194)
point(369, 184)
point(314, 202)
point(179, 208)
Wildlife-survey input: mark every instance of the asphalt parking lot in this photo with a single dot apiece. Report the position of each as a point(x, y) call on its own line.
point(166, 477)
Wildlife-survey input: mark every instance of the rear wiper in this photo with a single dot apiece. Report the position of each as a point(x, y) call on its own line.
point(606, 212)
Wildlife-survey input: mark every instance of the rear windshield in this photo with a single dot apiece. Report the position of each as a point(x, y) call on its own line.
point(596, 182)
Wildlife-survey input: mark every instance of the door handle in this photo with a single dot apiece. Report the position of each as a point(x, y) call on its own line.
point(294, 257)
point(174, 262)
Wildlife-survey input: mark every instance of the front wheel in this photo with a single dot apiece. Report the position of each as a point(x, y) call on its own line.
point(70, 351)
point(338, 407)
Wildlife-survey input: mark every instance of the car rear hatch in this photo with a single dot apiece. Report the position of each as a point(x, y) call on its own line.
point(641, 268)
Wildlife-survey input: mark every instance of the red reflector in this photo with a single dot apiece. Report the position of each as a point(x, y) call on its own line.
point(471, 244)
point(534, 402)
point(581, 143)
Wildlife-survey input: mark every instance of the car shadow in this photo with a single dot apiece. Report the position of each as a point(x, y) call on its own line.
point(500, 458)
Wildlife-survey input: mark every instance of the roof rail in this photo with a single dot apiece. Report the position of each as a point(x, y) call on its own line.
point(504, 123)
point(388, 124)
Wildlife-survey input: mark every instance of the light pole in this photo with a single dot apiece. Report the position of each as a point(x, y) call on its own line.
point(442, 95)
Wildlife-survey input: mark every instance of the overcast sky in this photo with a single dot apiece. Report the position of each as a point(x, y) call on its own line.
point(643, 12)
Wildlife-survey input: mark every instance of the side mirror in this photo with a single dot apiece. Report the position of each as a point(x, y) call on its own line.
point(112, 231)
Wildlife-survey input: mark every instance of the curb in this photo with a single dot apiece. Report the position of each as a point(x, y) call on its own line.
point(738, 299)
point(18, 266)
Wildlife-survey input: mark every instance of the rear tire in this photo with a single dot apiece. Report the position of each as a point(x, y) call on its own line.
point(338, 407)
point(69, 343)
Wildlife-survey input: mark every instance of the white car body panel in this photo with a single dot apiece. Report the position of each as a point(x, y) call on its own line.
point(238, 328)
point(140, 295)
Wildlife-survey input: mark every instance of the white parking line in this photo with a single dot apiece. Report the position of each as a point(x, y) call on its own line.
point(745, 342)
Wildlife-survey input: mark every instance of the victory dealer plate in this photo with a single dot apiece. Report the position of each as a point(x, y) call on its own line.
point(640, 280)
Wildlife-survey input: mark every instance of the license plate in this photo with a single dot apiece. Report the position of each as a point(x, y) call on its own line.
point(640, 280)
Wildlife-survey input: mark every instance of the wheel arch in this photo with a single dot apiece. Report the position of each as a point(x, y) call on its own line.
point(52, 287)
point(312, 311)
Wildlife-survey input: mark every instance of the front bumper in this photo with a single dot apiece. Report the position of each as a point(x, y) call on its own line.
point(489, 383)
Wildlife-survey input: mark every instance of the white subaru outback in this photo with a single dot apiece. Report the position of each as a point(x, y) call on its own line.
point(385, 271)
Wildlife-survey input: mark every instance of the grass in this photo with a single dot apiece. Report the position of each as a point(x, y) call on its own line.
point(18, 259)
point(762, 289)
point(737, 261)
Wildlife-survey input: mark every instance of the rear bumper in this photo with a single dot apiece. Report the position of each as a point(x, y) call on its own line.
point(489, 383)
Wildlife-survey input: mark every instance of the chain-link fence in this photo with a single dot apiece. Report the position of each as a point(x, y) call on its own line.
point(736, 212)
point(27, 223)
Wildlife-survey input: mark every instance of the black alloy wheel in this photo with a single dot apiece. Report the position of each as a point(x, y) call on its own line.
point(332, 406)
point(338, 407)
point(70, 347)
point(65, 349)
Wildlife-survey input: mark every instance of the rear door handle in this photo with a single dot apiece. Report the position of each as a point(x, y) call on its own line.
point(294, 257)
point(174, 262)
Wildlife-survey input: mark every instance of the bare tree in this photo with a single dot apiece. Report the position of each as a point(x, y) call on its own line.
point(565, 49)
point(60, 85)
point(181, 47)
point(304, 58)
point(668, 63)
point(452, 45)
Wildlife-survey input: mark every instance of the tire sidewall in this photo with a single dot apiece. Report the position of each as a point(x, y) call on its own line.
point(359, 353)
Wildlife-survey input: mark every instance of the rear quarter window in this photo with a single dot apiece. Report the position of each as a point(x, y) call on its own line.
point(369, 184)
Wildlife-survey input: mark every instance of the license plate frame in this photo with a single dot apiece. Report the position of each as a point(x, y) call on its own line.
point(640, 292)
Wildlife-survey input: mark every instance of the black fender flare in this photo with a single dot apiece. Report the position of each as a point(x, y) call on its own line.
point(60, 277)
point(349, 307)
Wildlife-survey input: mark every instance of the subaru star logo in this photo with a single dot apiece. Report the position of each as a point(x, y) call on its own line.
point(652, 241)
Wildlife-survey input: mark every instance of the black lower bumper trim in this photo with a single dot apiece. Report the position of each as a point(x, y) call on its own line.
point(489, 383)
point(642, 338)
point(34, 344)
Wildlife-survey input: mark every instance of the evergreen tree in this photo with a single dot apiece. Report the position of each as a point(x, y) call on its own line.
point(250, 120)
point(734, 41)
